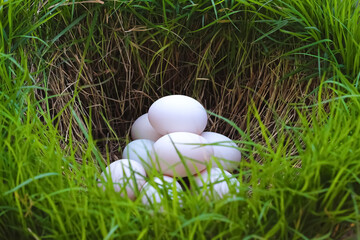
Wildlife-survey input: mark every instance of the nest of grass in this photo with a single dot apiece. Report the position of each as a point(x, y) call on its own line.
point(110, 68)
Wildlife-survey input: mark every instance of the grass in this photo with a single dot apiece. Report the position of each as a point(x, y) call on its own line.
point(279, 77)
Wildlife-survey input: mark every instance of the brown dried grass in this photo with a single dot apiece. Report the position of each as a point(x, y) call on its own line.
point(128, 66)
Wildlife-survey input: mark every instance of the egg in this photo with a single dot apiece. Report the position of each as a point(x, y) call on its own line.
point(217, 183)
point(140, 151)
point(211, 176)
point(225, 150)
point(126, 175)
point(155, 194)
point(177, 113)
point(142, 129)
point(193, 154)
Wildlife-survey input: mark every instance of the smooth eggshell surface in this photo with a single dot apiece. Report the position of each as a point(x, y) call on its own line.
point(211, 176)
point(127, 174)
point(225, 150)
point(151, 194)
point(177, 113)
point(142, 129)
point(167, 160)
point(217, 183)
point(139, 150)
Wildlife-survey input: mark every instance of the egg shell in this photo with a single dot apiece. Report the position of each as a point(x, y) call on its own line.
point(195, 155)
point(225, 150)
point(125, 173)
point(139, 150)
point(217, 183)
point(177, 113)
point(221, 189)
point(151, 194)
point(211, 176)
point(142, 129)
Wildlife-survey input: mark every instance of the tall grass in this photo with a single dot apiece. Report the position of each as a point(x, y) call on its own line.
point(331, 26)
point(73, 73)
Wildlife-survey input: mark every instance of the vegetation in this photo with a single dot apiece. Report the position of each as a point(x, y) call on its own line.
point(281, 77)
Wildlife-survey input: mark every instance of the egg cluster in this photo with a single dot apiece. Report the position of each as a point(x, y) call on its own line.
point(170, 139)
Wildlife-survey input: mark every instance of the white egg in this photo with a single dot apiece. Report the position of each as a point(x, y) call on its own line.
point(164, 187)
point(225, 150)
point(173, 150)
point(217, 183)
point(177, 113)
point(142, 129)
point(139, 150)
point(125, 173)
point(207, 177)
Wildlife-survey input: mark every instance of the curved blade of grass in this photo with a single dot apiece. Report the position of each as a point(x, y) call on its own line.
point(43, 175)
